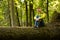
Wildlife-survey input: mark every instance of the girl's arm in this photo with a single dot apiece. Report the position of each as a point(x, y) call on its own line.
point(43, 16)
point(34, 18)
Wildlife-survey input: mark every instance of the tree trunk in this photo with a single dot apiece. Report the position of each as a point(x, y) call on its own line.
point(31, 12)
point(10, 11)
point(13, 16)
point(47, 12)
point(17, 17)
point(26, 13)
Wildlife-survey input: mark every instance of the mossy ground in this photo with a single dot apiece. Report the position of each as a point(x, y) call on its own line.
point(42, 33)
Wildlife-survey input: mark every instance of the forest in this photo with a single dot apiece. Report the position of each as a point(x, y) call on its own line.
point(12, 13)
point(17, 17)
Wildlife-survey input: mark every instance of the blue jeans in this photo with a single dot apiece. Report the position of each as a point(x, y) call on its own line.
point(36, 23)
point(39, 24)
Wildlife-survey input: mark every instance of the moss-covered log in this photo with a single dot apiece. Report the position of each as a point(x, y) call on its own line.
point(43, 33)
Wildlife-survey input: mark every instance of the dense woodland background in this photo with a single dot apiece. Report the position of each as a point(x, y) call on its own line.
point(17, 20)
point(21, 12)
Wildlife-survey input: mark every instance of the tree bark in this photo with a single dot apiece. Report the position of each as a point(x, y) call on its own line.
point(17, 17)
point(10, 12)
point(13, 16)
point(31, 12)
point(47, 12)
point(26, 13)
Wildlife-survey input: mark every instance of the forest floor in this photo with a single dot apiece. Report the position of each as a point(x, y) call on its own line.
point(50, 32)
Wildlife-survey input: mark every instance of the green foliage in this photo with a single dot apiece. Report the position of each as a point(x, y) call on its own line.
point(53, 5)
point(3, 12)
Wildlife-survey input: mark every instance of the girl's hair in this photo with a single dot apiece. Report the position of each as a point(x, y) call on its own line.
point(38, 9)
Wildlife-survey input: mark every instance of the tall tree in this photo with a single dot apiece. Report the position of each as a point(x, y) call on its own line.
point(47, 12)
point(26, 13)
point(13, 14)
point(31, 11)
point(10, 11)
point(18, 21)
